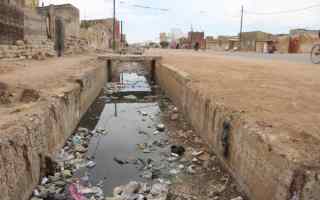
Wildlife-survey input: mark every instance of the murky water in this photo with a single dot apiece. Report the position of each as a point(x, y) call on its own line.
point(122, 139)
point(130, 148)
point(132, 82)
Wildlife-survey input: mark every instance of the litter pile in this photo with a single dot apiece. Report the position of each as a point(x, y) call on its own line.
point(169, 160)
point(140, 191)
point(60, 184)
point(199, 173)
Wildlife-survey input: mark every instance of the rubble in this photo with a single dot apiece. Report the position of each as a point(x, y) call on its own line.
point(177, 149)
point(237, 198)
point(157, 162)
point(191, 169)
point(160, 127)
point(69, 159)
point(140, 191)
point(91, 164)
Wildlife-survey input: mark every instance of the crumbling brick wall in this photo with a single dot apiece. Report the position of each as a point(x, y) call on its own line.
point(97, 32)
point(71, 17)
point(11, 23)
point(22, 50)
point(34, 26)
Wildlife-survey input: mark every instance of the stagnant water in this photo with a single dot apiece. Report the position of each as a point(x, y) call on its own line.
point(122, 139)
point(130, 135)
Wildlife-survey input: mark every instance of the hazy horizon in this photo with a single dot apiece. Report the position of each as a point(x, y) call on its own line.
point(145, 19)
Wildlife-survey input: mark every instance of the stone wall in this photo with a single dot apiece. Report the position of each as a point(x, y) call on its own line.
point(18, 3)
point(27, 51)
point(37, 29)
point(19, 22)
point(11, 23)
point(75, 45)
point(34, 26)
point(71, 17)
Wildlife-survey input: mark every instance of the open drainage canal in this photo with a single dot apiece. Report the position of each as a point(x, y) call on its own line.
point(133, 144)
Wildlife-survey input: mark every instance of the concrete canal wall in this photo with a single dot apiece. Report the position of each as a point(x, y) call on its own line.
point(27, 140)
point(264, 170)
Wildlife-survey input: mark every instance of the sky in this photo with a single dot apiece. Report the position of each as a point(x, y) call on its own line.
point(211, 16)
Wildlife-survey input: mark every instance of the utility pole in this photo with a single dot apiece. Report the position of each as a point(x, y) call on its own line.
point(114, 26)
point(241, 25)
point(191, 37)
point(121, 33)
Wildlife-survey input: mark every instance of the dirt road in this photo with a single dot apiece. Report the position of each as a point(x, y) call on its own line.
point(277, 94)
point(303, 58)
point(25, 82)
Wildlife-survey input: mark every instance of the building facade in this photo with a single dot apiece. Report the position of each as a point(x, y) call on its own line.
point(31, 3)
point(302, 40)
point(196, 38)
point(212, 43)
point(250, 40)
point(99, 33)
point(11, 21)
point(164, 37)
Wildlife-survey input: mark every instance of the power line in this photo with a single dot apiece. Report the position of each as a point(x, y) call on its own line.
point(145, 7)
point(148, 7)
point(283, 11)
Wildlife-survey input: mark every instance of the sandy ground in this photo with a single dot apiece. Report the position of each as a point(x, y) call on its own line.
point(25, 84)
point(42, 74)
point(278, 94)
point(274, 93)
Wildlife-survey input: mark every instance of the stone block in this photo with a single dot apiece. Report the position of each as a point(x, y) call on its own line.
point(20, 43)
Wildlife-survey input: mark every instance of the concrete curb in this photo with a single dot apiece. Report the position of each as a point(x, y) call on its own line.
point(26, 142)
point(264, 167)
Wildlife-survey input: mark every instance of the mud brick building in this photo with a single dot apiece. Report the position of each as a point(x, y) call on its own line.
point(302, 40)
point(69, 16)
point(99, 33)
point(251, 41)
point(11, 21)
point(27, 30)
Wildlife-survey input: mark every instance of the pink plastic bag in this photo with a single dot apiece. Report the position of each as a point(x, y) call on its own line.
point(75, 194)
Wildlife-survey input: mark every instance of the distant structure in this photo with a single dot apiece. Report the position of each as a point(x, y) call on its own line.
point(302, 40)
point(299, 31)
point(196, 38)
point(164, 37)
point(255, 40)
point(31, 3)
